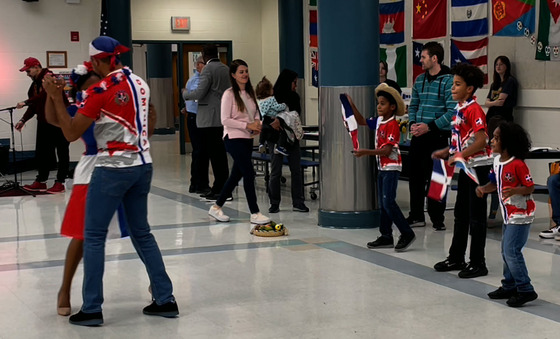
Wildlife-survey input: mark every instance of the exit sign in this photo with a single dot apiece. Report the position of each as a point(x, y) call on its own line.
point(180, 23)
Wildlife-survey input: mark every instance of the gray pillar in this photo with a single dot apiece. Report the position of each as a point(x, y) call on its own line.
point(348, 54)
point(119, 26)
point(290, 36)
point(160, 80)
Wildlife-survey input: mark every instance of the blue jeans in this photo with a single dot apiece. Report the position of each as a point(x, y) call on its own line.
point(553, 184)
point(107, 189)
point(387, 182)
point(514, 237)
point(240, 150)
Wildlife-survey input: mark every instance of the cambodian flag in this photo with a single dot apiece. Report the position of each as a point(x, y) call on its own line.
point(441, 179)
point(469, 18)
point(391, 23)
point(350, 121)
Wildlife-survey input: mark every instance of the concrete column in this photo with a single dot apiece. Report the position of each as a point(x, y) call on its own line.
point(348, 63)
point(120, 26)
point(160, 80)
point(290, 31)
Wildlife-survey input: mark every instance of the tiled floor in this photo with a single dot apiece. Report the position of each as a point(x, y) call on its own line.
point(315, 283)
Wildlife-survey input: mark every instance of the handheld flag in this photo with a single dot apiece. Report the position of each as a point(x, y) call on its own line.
point(350, 121)
point(441, 179)
point(462, 165)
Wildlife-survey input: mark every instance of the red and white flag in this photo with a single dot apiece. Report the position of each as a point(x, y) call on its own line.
point(441, 179)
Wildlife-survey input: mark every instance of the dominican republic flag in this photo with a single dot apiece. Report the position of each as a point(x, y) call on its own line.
point(469, 18)
point(314, 53)
point(548, 40)
point(313, 40)
point(513, 17)
point(472, 52)
point(462, 165)
point(416, 65)
point(441, 179)
point(391, 22)
point(350, 121)
point(429, 19)
point(396, 63)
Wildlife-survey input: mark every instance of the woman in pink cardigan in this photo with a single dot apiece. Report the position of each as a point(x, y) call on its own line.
point(242, 121)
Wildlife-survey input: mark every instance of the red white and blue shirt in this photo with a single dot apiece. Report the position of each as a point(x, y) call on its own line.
point(469, 118)
point(387, 132)
point(119, 106)
point(517, 209)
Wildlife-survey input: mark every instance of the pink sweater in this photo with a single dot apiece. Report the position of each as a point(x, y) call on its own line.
point(234, 121)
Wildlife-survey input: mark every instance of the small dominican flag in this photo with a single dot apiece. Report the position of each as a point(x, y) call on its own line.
point(461, 164)
point(441, 179)
point(350, 121)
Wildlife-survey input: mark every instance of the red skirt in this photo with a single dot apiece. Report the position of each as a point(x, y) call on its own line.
point(75, 215)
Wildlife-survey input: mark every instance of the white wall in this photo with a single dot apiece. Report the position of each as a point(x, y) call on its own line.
point(31, 29)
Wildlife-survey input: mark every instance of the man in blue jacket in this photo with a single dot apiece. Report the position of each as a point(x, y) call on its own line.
point(430, 113)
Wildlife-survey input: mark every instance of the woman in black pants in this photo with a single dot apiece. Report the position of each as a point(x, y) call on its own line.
point(284, 92)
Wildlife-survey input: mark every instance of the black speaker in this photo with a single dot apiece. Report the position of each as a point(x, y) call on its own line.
point(31, 0)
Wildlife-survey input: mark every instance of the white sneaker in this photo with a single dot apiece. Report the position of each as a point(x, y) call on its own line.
point(259, 218)
point(217, 213)
point(551, 233)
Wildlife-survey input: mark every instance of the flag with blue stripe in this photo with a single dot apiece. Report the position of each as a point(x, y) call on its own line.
point(469, 18)
point(391, 23)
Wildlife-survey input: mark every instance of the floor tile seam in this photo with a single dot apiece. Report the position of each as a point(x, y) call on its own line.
point(478, 289)
point(165, 253)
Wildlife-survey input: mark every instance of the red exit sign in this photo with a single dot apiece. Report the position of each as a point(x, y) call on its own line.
point(180, 23)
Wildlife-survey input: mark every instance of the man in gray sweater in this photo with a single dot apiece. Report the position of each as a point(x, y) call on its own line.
point(214, 80)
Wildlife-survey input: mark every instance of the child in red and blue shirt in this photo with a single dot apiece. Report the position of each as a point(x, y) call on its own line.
point(469, 142)
point(513, 181)
point(389, 165)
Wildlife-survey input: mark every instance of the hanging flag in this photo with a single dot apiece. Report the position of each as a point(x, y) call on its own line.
point(441, 179)
point(396, 63)
point(472, 52)
point(429, 19)
point(513, 17)
point(313, 41)
point(391, 23)
point(416, 65)
point(314, 67)
point(469, 18)
point(104, 24)
point(548, 40)
point(350, 121)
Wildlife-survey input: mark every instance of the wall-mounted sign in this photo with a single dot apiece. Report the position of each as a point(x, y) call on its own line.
point(181, 23)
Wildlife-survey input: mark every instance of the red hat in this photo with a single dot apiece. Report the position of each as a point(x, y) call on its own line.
point(28, 63)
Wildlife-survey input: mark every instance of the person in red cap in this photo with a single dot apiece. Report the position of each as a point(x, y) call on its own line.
point(119, 106)
point(49, 138)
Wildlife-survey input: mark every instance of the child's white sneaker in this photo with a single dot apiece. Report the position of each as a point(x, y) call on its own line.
point(259, 219)
point(217, 213)
point(550, 233)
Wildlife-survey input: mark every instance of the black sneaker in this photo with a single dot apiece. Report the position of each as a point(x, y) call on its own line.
point(439, 226)
point(521, 298)
point(448, 265)
point(381, 242)
point(473, 271)
point(86, 319)
point(274, 208)
point(300, 208)
point(203, 191)
point(167, 310)
point(500, 293)
point(404, 242)
point(415, 222)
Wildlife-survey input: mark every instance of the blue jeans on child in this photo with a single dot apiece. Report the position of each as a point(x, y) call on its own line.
point(553, 184)
point(107, 189)
point(516, 276)
point(387, 182)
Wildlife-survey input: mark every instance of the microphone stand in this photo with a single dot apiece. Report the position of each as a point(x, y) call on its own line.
point(11, 187)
